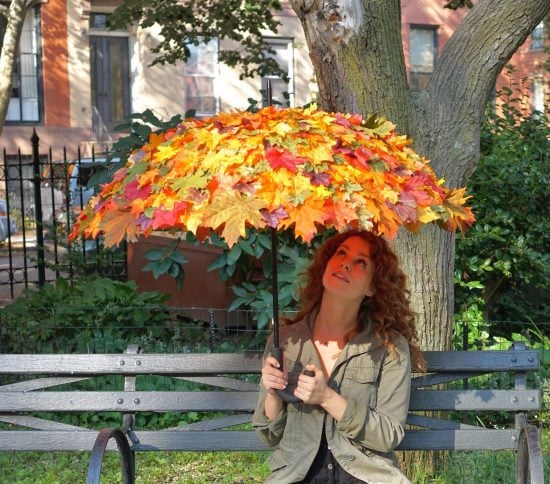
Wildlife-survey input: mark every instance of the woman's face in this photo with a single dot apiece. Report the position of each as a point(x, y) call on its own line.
point(350, 270)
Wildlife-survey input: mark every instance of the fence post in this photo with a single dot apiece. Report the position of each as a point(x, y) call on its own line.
point(41, 263)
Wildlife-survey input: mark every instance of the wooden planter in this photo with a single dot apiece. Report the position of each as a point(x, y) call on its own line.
point(201, 288)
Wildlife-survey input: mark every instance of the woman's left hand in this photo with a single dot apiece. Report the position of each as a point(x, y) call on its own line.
point(312, 389)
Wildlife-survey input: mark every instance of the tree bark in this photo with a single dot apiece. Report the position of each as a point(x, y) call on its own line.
point(15, 16)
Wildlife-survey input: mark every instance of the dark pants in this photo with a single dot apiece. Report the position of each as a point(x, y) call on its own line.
point(325, 469)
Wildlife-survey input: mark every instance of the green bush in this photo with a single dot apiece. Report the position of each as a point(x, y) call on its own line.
point(503, 264)
point(89, 315)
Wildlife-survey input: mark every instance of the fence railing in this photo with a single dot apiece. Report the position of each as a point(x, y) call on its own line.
point(39, 199)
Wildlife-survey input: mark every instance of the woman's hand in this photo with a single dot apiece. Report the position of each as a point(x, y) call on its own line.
point(312, 389)
point(272, 377)
point(315, 391)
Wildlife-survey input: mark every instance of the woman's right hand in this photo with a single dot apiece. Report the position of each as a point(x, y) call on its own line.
point(272, 377)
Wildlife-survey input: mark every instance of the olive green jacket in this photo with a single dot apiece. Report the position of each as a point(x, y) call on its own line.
point(376, 385)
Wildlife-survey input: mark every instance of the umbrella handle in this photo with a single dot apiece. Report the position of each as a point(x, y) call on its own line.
point(287, 395)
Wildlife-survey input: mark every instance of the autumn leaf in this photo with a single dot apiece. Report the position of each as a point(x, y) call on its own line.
point(117, 225)
point(305, 218)
point(459, 216)
point(283, 159)
point(234, 213)
point(133, 191)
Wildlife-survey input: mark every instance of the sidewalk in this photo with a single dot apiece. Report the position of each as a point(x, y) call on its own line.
point(17, 267)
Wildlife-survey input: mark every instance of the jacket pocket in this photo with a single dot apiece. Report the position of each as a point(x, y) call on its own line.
point(361, 383)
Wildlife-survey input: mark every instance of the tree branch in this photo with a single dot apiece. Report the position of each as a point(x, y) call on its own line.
point(465, 76)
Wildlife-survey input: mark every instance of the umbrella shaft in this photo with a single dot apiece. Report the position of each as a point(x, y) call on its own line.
point(275, 287)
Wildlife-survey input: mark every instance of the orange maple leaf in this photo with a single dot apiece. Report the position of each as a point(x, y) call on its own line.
point(117, 224)
point(305, 218)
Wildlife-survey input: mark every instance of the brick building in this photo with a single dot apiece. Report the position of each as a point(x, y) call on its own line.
point(76, 80)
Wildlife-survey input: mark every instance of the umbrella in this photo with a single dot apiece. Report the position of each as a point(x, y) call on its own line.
point(295, 168)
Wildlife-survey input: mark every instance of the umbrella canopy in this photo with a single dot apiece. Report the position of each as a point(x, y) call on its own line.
point(304, 169)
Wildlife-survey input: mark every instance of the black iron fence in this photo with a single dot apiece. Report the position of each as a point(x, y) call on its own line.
point(40, 197)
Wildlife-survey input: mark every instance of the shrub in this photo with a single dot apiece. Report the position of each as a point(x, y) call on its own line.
point(90, 314)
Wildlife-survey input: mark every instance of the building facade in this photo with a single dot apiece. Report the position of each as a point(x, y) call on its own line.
point(76, 79)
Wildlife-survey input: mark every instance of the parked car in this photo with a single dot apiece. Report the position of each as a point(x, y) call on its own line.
point(7, 222)
point(81, 182)
point(70, 185)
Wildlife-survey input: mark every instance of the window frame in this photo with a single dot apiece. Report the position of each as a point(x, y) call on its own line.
point(291, 87)
point(433, 28)
point(538, 83)
point(37, 33)
point(537, 37)
point(215, 77)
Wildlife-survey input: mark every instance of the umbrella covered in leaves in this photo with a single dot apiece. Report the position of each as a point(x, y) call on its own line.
point(303, 169)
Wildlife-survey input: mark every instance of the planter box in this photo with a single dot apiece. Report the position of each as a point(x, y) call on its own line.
point(201, 289)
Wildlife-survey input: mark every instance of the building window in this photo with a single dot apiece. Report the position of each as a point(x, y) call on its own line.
point(538, 95)
point(282, 90)
point(201, 71)
point(422, 54)
point(26, 98)
point(99, 21)
point(537, 37)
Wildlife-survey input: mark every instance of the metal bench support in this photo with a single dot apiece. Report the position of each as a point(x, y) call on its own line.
point(100, 445)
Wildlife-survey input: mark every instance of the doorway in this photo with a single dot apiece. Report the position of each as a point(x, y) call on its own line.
point(110, 76)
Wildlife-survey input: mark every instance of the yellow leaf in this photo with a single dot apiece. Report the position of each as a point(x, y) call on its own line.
point(234, 212)
point(426, 215)
point(391, 195)
point(165, 152)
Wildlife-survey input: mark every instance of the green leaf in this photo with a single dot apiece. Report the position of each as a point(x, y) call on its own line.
point(218, 263)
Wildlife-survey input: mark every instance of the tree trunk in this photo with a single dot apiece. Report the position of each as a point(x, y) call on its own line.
point(15, 16)
point(356, 49)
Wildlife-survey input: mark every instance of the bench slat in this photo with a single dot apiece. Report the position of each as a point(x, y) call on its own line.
point(40, 383)
point(222, 382)
point(482, 400)
point(216, 423)
point(127, 401)
point(482, 361)
point(437, 423)
point(232, 363)
point(246, 440)
point(128, 364)
point(38, 423)
point(441, 378)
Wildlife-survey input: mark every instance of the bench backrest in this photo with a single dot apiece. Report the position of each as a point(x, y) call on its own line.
point(229, 382)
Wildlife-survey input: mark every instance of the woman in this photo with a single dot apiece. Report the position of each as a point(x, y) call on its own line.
point(355, 332)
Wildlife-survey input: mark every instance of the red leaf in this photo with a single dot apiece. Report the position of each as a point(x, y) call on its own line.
point(133, 191)
point(284, 159)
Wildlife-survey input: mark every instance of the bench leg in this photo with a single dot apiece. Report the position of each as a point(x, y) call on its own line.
point(529, 457)
point(126, 457)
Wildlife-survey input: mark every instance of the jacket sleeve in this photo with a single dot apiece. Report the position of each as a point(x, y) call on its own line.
point(381, 427)
point(268, 431)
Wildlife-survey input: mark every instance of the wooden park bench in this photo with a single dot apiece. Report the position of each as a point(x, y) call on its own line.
point(226, 382)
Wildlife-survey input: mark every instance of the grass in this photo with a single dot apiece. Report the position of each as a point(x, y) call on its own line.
point(151, 468)
point(229, 467)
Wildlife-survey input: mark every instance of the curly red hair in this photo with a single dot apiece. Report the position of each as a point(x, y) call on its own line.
point(389, 308)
